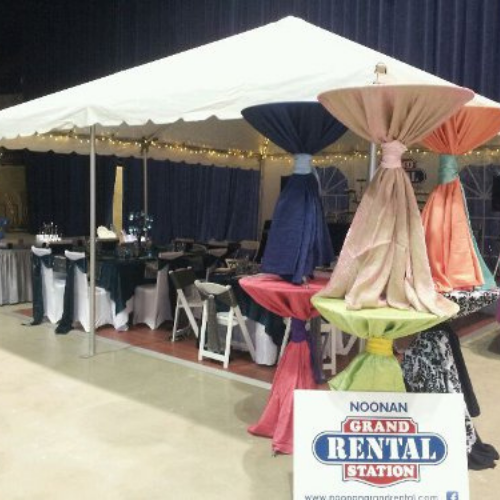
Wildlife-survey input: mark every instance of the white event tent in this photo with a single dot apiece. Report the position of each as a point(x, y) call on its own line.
point(194, 99)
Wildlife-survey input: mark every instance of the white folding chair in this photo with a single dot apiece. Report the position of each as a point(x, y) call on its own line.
point(233, 318)
point(266, 351)
point(151, 301)
point(188, 298)
point(286, 336)
point(52, 288)
point(333, 345)
point(104, 306)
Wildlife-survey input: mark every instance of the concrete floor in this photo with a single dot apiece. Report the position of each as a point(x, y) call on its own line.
point(123, 425)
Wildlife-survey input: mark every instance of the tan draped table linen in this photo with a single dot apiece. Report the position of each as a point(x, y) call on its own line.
point(384, 261)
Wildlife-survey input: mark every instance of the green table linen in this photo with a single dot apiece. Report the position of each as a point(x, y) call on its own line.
point(376, 369)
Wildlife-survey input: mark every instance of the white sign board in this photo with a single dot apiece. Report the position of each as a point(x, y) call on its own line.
point(379, 446)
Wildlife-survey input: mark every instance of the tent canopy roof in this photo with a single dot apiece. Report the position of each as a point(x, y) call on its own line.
point(196, 97)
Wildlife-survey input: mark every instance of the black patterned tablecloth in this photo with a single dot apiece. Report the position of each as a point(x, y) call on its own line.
point(471, 302)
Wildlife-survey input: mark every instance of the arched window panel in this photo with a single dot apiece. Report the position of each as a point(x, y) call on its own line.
point(334, 192)
point(484, 214)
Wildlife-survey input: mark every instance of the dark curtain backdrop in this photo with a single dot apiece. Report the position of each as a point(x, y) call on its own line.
point(58, 188)
point(66, 43)
point(59, 43)
point(194, 201)
point(133, 186)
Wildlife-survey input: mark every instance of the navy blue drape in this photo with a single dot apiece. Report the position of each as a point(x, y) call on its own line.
point(298, 240)
point(296, 127)
point(58, 188)
point(195, 201)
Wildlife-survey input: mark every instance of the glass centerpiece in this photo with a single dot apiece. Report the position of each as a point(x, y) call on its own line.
point(140, 225)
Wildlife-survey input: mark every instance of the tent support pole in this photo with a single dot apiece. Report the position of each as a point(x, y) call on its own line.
point(145, 176)
point(91, 347)
point(260, 216)
point(372, 166)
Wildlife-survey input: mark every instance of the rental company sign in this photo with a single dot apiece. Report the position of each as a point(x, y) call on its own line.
point(379, 446)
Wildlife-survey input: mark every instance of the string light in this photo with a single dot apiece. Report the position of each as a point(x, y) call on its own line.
point(234, 153)
point(263, 151)
point(172, 147)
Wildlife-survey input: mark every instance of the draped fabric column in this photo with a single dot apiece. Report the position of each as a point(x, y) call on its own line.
point(298, 240)
point(434, 363)
point(456, 263)
point(382, 286)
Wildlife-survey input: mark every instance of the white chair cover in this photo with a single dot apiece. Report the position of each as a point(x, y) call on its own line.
point(151, 302)
point(52, 289)
point(266, 351)
point(104, 306)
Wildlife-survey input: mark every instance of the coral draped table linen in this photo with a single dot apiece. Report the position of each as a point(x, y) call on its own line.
point(383, 262)
point(454, 258)
point(294, 369)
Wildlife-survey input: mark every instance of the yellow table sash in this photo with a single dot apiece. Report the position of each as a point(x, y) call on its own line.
point(382, 347)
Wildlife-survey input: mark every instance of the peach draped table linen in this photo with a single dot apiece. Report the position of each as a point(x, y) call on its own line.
point(453, 257)
point(467, 129)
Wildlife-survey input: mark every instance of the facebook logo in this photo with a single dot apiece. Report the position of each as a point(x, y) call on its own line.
point(452, 495)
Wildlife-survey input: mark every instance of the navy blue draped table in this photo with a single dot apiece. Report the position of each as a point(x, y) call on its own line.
point(298, 239)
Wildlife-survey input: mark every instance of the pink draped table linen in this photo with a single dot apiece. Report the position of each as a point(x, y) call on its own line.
point(294, 369)
point(281, 297)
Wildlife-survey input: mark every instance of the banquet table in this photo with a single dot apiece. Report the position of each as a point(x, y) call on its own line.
point(15, 275)
point(295, 369)
point(118, 276)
